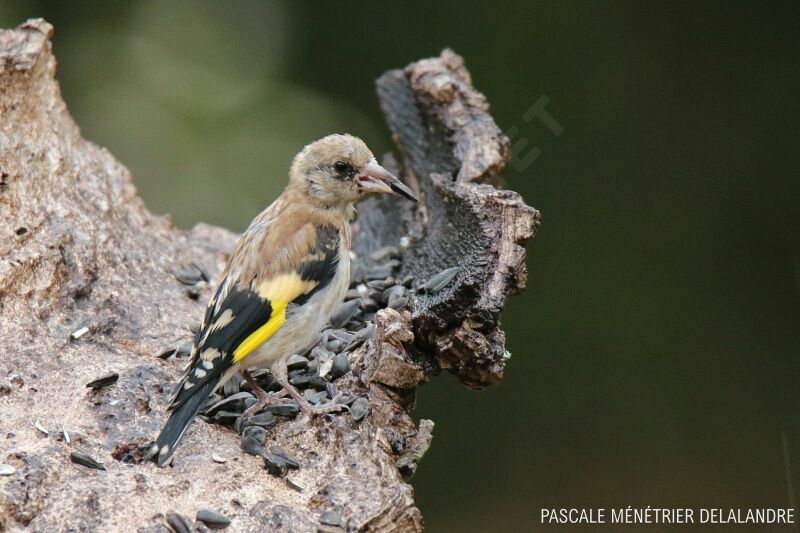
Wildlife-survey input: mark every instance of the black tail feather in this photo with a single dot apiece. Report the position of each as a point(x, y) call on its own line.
point(179, 421)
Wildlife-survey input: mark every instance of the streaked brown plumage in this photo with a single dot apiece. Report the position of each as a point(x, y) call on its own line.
point(285, 277)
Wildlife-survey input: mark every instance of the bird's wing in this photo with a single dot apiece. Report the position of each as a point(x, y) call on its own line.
point(243, 314)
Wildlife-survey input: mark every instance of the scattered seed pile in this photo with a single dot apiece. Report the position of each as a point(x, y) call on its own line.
point(316, 371)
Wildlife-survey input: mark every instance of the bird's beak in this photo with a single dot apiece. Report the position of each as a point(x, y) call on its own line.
point(375, 178)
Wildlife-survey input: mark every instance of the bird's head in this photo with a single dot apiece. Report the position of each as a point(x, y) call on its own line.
point(338, 170)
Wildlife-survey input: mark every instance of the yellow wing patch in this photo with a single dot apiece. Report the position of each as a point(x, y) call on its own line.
point(279, 291)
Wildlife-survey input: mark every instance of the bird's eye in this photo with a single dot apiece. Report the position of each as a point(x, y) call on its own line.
point(341, 166)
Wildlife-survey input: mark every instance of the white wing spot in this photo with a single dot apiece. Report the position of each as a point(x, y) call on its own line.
point(224, 319)
point(208, 365)
point(199, 373)
point(209, 354)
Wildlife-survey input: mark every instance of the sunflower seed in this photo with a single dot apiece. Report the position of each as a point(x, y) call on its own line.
point(178, 523)
point(290, 461)
point(184, 350)
point(296, 361)
point(65, 434)
point(334, 345)
point(407, 281)
point(235, 402)
point(41, 428)
point(231, 386)
point(318, 397)
point(217, 458)
point(104, 381)
point(285, 409)
point(369, 305)
point(330, 388)
point(300, 381)
point(226, 417)
point(340, 366)
point(213, 519)
point(360, 408)
point(166, 354)
point(190, 274)
point(381, 284)
point(275, 464)
point(252, 440)
point(345, 312)
point(398, 303)
point(396, 296)
point(341, 335)
point(331, 518)
point(85, 460)
point(263, 419)
point(439, 281)
point(7, 470)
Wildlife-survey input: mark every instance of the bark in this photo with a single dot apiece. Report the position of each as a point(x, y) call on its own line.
point(87, 287)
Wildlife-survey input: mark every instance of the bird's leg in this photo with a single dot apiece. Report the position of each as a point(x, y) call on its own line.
point(279, 373)
point(263, 398)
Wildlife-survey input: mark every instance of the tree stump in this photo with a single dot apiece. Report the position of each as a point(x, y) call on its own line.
point(87, 288)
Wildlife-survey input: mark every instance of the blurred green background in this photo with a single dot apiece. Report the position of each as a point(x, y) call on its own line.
point(655, 352)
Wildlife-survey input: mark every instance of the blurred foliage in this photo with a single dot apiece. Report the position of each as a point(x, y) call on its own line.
point(656, 349)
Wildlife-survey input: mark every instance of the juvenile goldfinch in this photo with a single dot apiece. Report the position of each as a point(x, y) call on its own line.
point(287, 275)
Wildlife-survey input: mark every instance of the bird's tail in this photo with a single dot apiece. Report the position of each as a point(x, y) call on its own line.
point(179, 420)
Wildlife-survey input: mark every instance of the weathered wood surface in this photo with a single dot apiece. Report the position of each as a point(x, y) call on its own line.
point(78, 249)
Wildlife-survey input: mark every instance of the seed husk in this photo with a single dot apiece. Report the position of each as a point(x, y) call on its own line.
point(218, 458)
point(360, 408)
point(65, 434)
point(292, 485)
point(85, 460)
point(80, 332)
point(439, 281)
point(331, 518)
point(41, 428)
point(178, 523)
point(104, 381)
point(290, 461)
point(213, 519)
point(345, 312)
point(7, 470)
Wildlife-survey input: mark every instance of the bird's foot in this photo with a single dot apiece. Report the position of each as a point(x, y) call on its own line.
point(333, 406)
point(263, 398)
